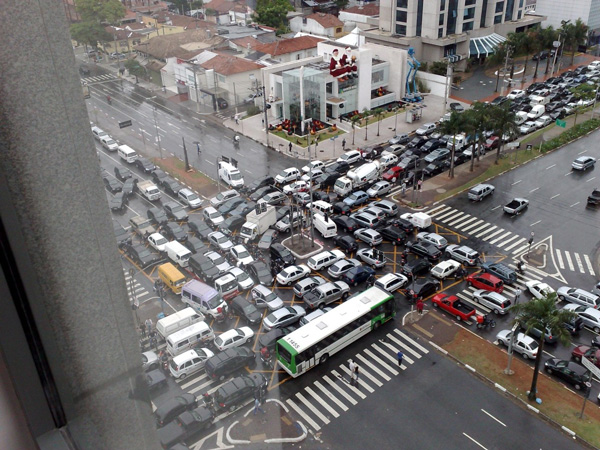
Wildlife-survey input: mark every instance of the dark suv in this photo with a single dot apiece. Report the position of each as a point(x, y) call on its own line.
point(594, 198)
point(279, 252)
point(502, 271)
point(231, 360)
point(238, 390)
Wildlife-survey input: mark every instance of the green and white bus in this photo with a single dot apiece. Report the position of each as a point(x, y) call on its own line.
point(316, 341)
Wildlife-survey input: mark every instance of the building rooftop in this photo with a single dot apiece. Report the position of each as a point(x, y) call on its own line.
point(285, 46)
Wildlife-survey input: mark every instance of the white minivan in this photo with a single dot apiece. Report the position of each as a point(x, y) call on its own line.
point(230, 175)
point(127, 154)
point(189, 362)
point(325, 225)
point(184, 340)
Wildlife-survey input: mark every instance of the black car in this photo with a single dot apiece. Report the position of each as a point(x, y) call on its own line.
point(393, 234)
point(416, 142)
point(257, 184)
point(243, 208)
point(141, 255)
point(158, 176)
point(322, 195)
point(345, 223)
point(222, 103)
point(499, 100)
point(346, 243)
point(170, 409)
point(217, 367)
point(231, 224)
point(172, 230)
point(431, 145)
point(326, 179)
point(341, 208)
point(338, 167)
point(171, 187)
point(415, 267)
point(148, 383)
point(267, 239)
point(261, 192)
point(195, 245)
point(112, 185)
point(175, 211)
point(569, 371)
point(541, 55)
point(129, 186)
point(270, 338)
point(459, 158)
point(200, 228)
point(424, 249)
point(260, 272)
point(184, 426)
point(282, 254)
point(371, 152)
point(246, 310)
point(84, 70)
point(118, 202)
point(456, 107)
point(230, 205)
point(403, 224)
point(123, 237)
point(122, 173)
point(144, 164)
point(409, 162)
point(435, 168)
point(594, 198)
point(157, 216)
point(423, 288)
point(411, 176)
point(204, 268)
point(238, 390)
point(356, 275)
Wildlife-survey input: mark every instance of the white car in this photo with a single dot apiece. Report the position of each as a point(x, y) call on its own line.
point(391, 282)
point(234, 338)
point(287, 175)
point(520, 117)
point(516, 93)
point(109, 143)
point(528, 127)
point(439, 241)
point(350, 157)
point(244, 280)
point(425, 129)
point(523, 344)
point(263, 297)
point(543, 121)
point(341, 267)
point(218, 239)
point(313, 173)
point(536, 111)
point(378, 189)
point(307, 285)
point(583, 162)
point(222, 197)
point(539, 289)
point(158, 241)
point(292, 273)
point(325, 259)
point(296, 186)
point(241, 255)
point(313, 165)
point(445, 269)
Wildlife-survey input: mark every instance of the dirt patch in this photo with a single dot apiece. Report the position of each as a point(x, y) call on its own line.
point(194, 179)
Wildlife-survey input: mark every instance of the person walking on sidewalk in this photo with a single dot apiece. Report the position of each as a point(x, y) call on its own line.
point(400, 356)
point(148, 324)
point(257, 401)
point(420, 305)
point(344, 144)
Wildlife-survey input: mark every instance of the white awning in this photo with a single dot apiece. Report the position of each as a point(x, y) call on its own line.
point(486, 45)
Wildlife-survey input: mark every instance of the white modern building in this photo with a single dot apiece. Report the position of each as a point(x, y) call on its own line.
point(556, 11)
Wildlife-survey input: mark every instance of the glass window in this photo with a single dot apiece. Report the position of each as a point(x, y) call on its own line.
point(401, 30)
point(499, 7)
point(483, 14)
point(401, 16)
point(419, 17)
point(469, 14)
point(498, 19)
point(442, 5)
point(401, 3)
point(519, 15)
point(441, 21)
point(440, 33)
point(467, 26)
point(470, 2)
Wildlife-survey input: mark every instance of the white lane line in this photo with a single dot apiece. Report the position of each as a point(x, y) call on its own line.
point(486, 231)
point(466, 435)
point(191, 382)
point(342, 392)
point(466, 222)
point(412, 341)
point(499, 238)
point(520, 249)
point(380, 361)
point(312, 408)
point(582, 152)
point(495, 233)
point(439, 210)
point(363, 384)
point(502, 244)
point(202, 386)
point(589, 265)
point(373, 368)
point(173, 125)
point(496, 207)
point(210, 162)
point(454, 222)
point(393, 358)
point(579, 263)
point(471, 226)
point(554, 196)
point(302, 414)
point(331, 397)
point(574, 204)
point(550, 167)
point(516, 182)
point(363, 373)
point(352, 388)
point(515, 244)
point(323, 403)
point(535, 223)
point(569, 262)
point(485, 225)
point(213, 139)
point(568, 173)
point(445, 214)
point(403, 346)
point(590, 179)
point(533, 190)
point(561, 264)
point(452, 217)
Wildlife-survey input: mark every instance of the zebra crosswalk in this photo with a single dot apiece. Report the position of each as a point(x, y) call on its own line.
point(100, 78)
point(136, 292)
point(507, 241)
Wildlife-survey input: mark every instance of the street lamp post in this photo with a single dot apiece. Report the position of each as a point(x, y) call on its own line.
point(156, 128)
point(312, 217)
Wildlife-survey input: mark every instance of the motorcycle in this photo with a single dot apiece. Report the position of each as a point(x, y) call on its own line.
point(109, 100)
point(521, 267)
point(484, 322)
point(164, 362)
point(266, 357)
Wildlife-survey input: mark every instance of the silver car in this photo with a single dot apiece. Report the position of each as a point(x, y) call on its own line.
point(372, 257)
point(218, 239)
point(439, 241)
point(307, 285)
point(283, 316)
point(371, 237)
point(341, 267)
point(579, 296)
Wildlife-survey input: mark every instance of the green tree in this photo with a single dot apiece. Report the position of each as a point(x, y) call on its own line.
point(453, 126)
point(582, 92)
point(135, 68)
point(477, 119)
point(439, 68)
point(537, 47)
point(89, 33)
point(354, 120)
point(527, 46)
point(100, 11)
point(547, 36)
point(273, 13)
point(365, 115)
point(503, 122)
point(341, 4)
point(542, 314)
point(378, 113)
point(497, 59)
point(574, 34)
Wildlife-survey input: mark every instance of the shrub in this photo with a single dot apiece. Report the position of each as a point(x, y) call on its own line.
point(571, 134)
point(252, 111)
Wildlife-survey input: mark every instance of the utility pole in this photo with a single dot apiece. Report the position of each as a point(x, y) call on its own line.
point(508, 50)
point(185, 155)
point(235, 100)
point(157, 135)
point(266, 116)
point(449, 72)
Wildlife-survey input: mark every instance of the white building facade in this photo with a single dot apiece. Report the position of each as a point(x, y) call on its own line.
point(556, 11)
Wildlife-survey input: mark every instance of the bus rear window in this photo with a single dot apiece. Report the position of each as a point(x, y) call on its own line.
point(284, 354)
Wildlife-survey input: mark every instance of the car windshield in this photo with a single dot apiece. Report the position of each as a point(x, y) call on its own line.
point(218, 260)
point(214, 215)
point(236, 176)
point(214, 302)
point(248, 309)
point(243, 254)
point(161, 241)
point(242, 276)
point(262, 272)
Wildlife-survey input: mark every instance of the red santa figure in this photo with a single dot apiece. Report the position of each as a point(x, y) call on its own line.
point(336, 68)
point(349, 62)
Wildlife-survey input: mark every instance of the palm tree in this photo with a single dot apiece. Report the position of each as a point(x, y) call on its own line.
point(365, 115)
point(537, 47)
point(453, 126)
point(542, 314)
point(582, 92)
point(577, 34)
point(497, 59)
point(503, 121)
point(477, 118)
point(354, 120)
point(548, 36)
point(378, 113)
point(528, 46)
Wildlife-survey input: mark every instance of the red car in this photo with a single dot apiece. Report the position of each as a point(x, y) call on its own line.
point(486, 281)
point(591, 353)
point(393, 174)
point(491, 143)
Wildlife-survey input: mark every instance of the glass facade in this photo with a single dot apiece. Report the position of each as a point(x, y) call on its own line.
point(483, 14)
point(451, 21)
point(419, 17)
point(469, 14)
point(499, 7)
point(497, 19)
point(401, 30)
point(314, 94)
point(401, 16)
point(467, 26)
point(401, 3)
point(510, 7)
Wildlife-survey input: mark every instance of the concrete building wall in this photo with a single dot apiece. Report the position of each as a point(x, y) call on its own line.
point(435, 83)
point(558, 10)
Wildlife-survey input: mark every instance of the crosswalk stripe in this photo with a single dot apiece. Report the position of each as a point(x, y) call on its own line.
point(342, 392)
point(186, 383)
point(445, 218)
point(363, 373)
point(471, 301)
point(569, 262)
point(403, 347)
point(412, 341)
point(392, 358)
point(561, 264)
point(515, 244)
point(520, 249)
point(485, 225)
point(143, 294)
point(369, 388)
point(439, 210)
point(495, 233)
point(579, 263)
point(323, 403)
point(331, 397)
point(312, 408)
point(470, 226)
point(486, 231)
point(380, 361)
point(502, 244)
point(499, 238)
point(302, 414)
point(589, 265)
point(460, 225)
point(202, 386)
point(373, 368)
point(451, 224)
point(352, 388)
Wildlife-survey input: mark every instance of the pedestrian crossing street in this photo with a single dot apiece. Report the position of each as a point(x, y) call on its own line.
point(100, 78)
point(508, 241)
point(331, 395)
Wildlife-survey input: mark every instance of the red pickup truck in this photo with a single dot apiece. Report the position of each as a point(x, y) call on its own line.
point(453, 305)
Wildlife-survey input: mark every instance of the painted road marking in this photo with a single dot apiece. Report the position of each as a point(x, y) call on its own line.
point(520, 249)
point(363, 373)
point(342, 392)
point(405, 348)
point(374, 368)
point(590, 179)
point(589, 264)
point(574, 204)
point(302, 414)
point(496, 207)
point(535, 223)
point(323, 403)
point(516, 182)
point(561, 264)
point(474, 441)
point(502, 244)
point(550, 167)
point(331, 397)
point(459, 220)
point(392, 358)
point(533, 190)
point(439, 210)
point(380, 361)
point(485, 225)
point(515, 244)
point(554, 196)
point(312, 409)
point(499, 238)
point(459, 214)
point(412, 341)
point(569, 262)
point(445, 214)
point(465, 222)
point(579, 263)
point(471, 226)
point(568, 173)
point(495, 233)
point(353, 388)
point(486, 231)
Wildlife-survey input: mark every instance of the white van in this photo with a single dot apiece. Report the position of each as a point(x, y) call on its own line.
point(321, 206)
point(419, 220)
point(178, 253)
point(127, 153)
point(230, 175)
point(539, 100)
point(496, 302)
point(460, 141)
point(183, 340)
point(203, 298)
point(178, 321)
point(189, 362)
point(327, 228)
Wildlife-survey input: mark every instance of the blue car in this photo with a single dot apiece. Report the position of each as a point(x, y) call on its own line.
point(356, 198)
point(357, 275)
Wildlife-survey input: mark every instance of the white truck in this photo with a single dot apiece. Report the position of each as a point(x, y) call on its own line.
point(178, 253)
point(419, 220)
point(149, 190)
point(361, 177)
point(257, 224)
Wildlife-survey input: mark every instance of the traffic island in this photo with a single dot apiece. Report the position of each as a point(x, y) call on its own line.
point(273, 426)
point(301, 246)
